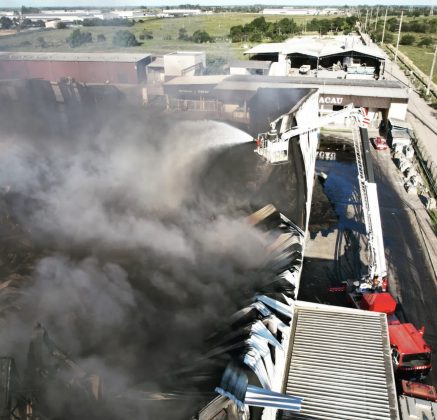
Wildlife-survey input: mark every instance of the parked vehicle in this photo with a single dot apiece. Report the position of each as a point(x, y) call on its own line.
point(305, 69)
point(411, 354)
point(379, 143)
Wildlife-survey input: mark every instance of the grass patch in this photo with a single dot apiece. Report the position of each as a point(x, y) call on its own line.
point(421, 57)
point(433, 216)
point(165, 33)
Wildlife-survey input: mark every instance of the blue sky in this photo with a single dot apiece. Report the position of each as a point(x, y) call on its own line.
point(153, 3)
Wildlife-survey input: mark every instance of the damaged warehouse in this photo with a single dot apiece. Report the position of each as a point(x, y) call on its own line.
point(120, 259)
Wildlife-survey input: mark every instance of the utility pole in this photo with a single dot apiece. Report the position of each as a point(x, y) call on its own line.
point(431, 72)
point(376, 20)
point(365, 24)
point(399, 36)
point(383, 28)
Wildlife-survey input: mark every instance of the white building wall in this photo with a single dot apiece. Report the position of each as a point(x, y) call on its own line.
point(398, 111)
point(175, 64)
point(238, 70)
point(309, 142)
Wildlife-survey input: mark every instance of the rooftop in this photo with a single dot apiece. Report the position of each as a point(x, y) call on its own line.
point(38, 56)
point(318, 47)
point(379, 88)
point(340, 364)
point(197, 80)
point(158, 62)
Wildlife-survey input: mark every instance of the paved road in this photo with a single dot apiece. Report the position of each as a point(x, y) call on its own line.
point(420, 115)
point(411, 277)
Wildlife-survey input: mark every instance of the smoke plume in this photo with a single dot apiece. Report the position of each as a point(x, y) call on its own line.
point(129, 243)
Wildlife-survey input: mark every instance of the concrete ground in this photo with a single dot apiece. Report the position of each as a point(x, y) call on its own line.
point(336, 255)
point(420, 115)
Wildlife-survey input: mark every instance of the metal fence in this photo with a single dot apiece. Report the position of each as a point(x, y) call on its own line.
point(194, 105)
point(427, 165)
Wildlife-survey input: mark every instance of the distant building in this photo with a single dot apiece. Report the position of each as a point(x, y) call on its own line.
point(185, 12)
point(383, 99)
point(180, 63)
point(113, 68)
point(337, 57)
point(290, 11)
point(250, 67)
point(52, 24)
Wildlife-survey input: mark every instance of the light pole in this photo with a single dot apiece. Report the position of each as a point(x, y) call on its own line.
point(365, 24)
point(399, 36)
point(383, 28)
point(428, 88)
point(376, 19)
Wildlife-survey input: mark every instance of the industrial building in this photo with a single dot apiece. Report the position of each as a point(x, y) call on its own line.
point(247, 67)
point(179, 63)
point(382, 99)
point(338, 57)
point(110, 68)
point(295, 11)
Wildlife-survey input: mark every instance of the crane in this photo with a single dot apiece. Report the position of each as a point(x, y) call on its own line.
point(274, 148)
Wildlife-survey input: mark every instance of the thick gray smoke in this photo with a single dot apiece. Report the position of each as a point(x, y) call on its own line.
point(136, 254)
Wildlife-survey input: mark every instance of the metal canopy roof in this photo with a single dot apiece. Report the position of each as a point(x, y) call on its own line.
point(370, 89)
point(340, 365)
point(319, 47)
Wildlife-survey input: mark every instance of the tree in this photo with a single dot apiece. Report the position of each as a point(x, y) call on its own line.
point(124, 39)
point(77, 38)
point(426, 42)
point(388, 38)
point(236, 33)
point(183, 35)
point(259, 24)
point(26, 23)
point(201, 36)
point(145, 35)
point(61, 25)
point(256, 37)
point(407, 39)
point(5, 22)
point(101, 38)
point(29, 10)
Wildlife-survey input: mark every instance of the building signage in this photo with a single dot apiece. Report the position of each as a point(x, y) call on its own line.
point(331, 100)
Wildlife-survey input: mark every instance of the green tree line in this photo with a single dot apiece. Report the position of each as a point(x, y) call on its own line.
point(259, 29)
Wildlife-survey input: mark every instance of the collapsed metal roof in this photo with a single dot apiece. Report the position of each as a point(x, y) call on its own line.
point(301, 360)
point(340, 364)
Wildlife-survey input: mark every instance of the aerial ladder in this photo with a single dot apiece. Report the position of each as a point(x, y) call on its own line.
point(274, 148)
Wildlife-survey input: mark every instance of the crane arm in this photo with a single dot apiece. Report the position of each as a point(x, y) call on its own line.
point(273, 146)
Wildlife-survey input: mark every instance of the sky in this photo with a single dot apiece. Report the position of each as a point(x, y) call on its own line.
point(156, 3)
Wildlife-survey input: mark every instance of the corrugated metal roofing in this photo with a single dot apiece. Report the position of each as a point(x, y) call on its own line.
point(365, 88)
point(271, 48)
point(318, 47)
point(94, 57)
point(340, 365)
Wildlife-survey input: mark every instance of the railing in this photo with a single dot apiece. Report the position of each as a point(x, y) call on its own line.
point(194, 105)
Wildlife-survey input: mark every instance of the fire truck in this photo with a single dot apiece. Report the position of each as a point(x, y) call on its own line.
point(410, 353)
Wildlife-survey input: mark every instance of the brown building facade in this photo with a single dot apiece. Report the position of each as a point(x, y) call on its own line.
point(112, 68)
